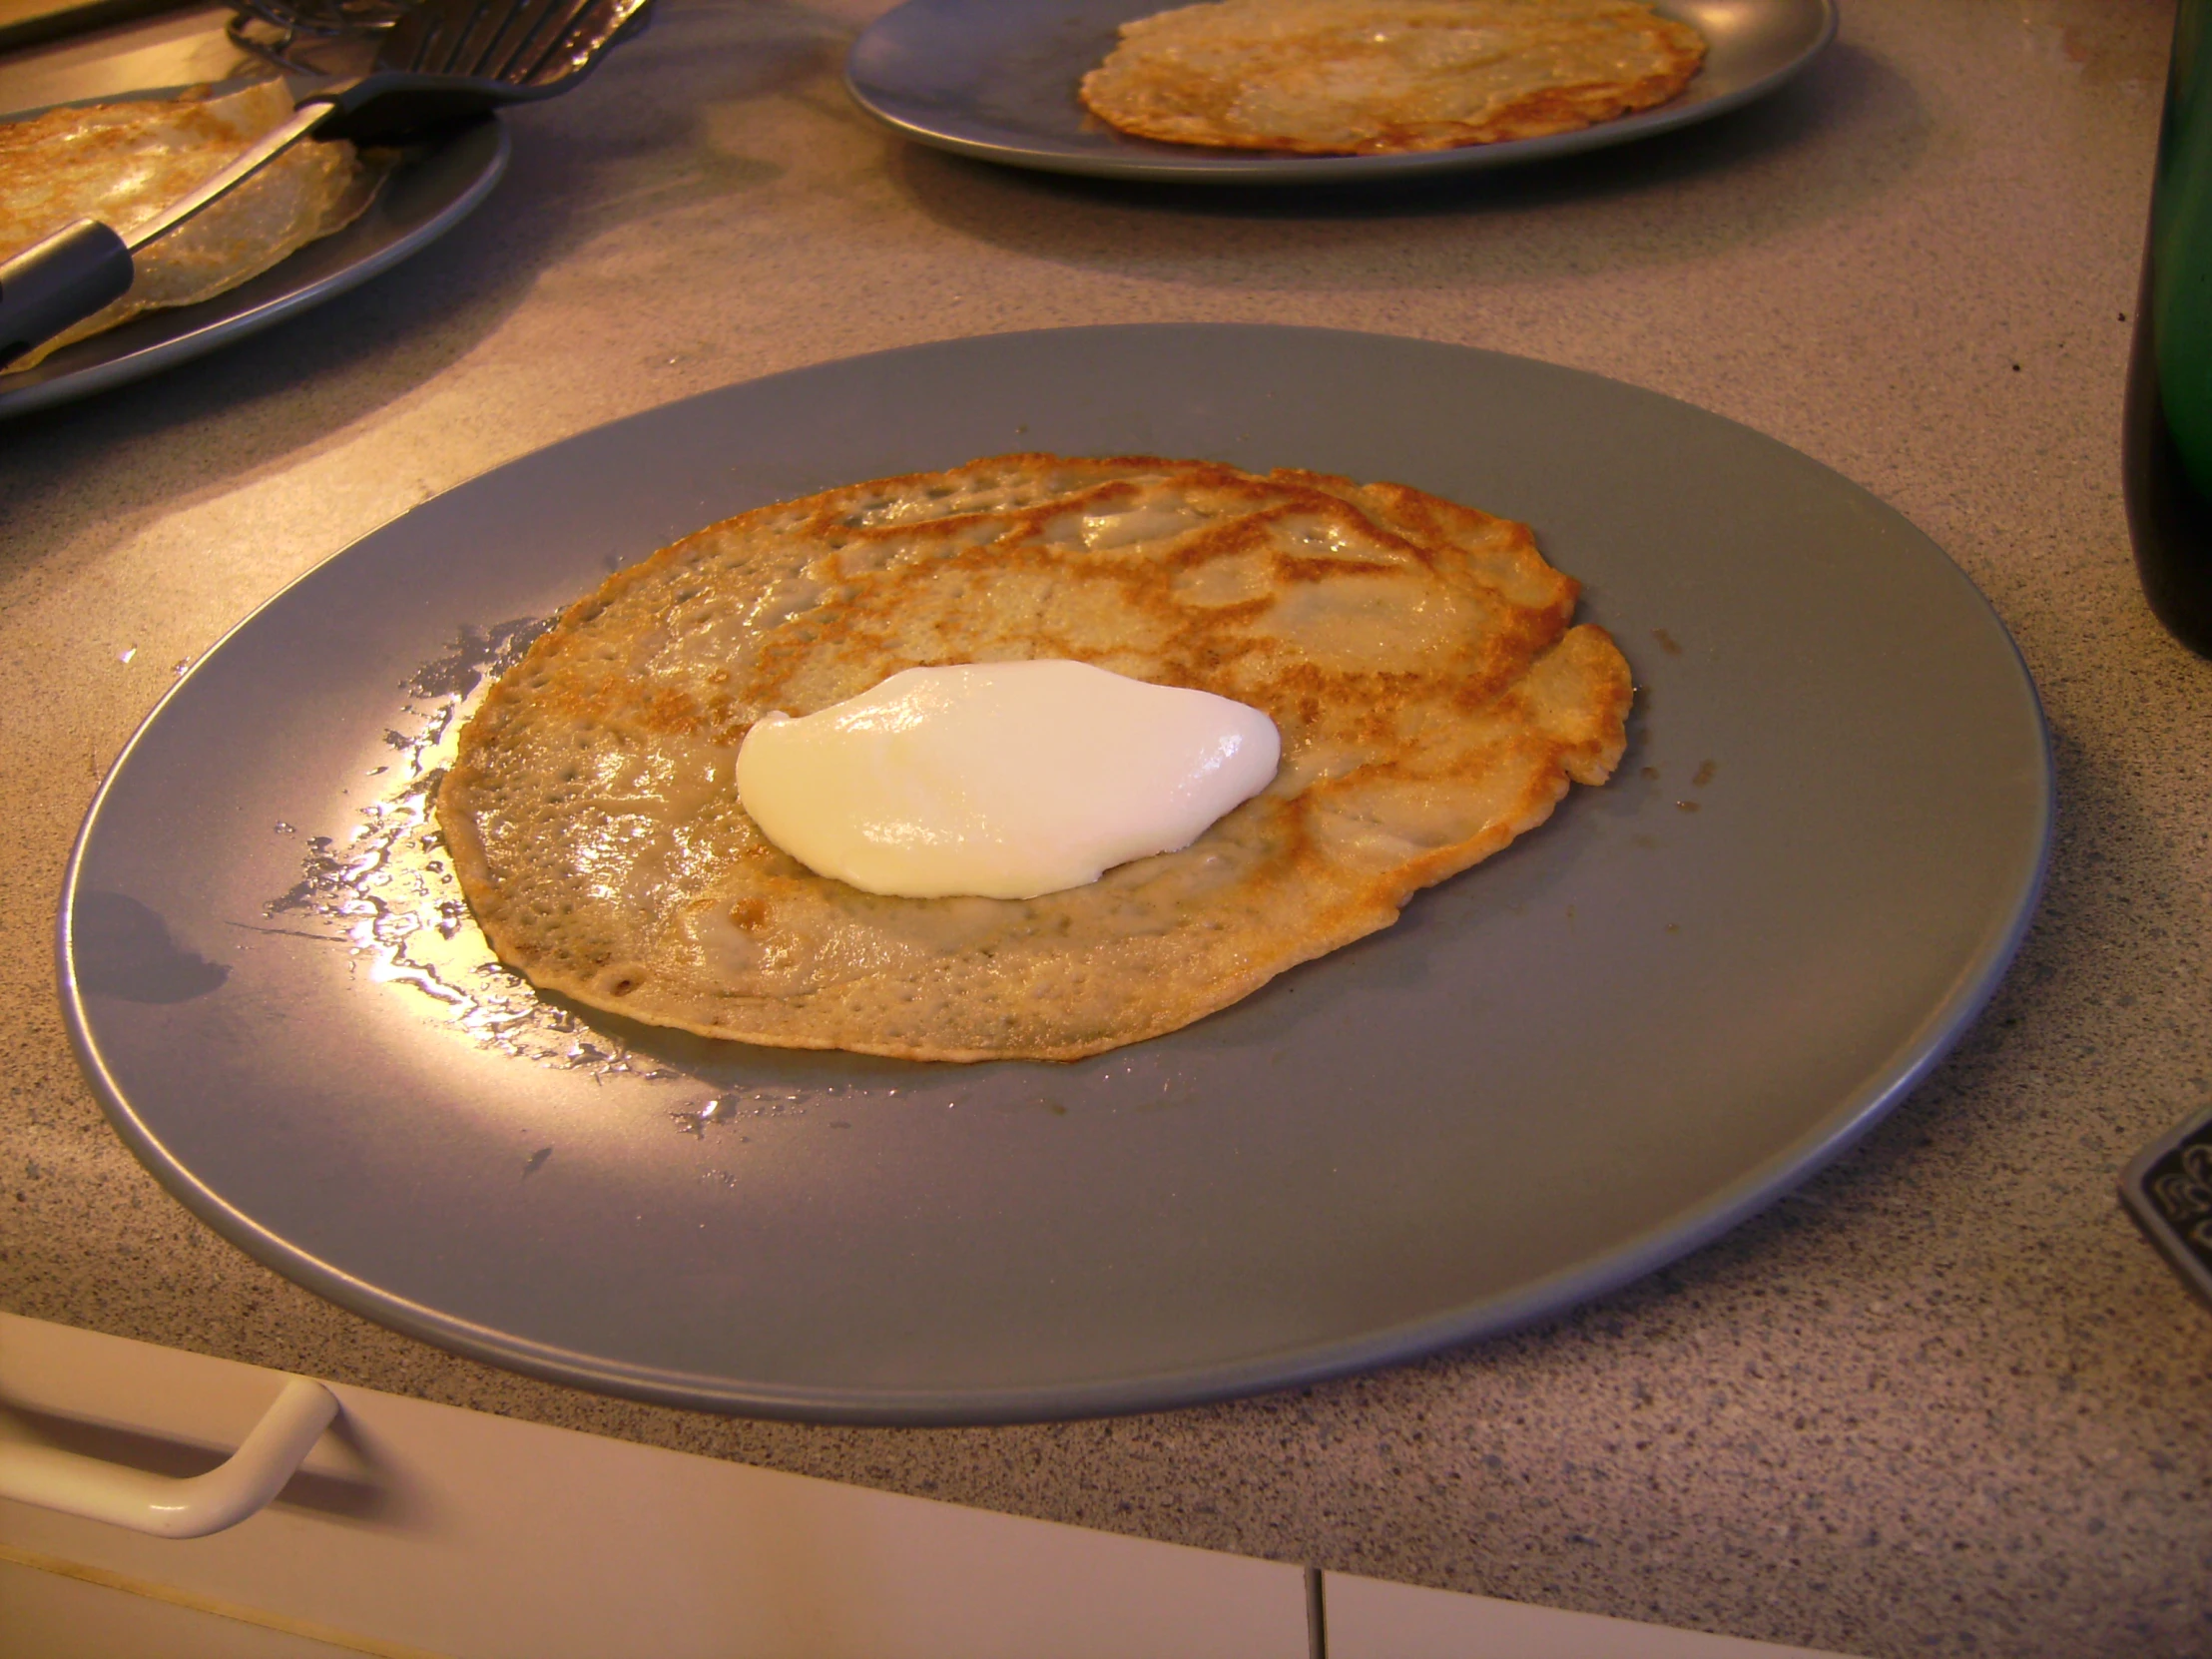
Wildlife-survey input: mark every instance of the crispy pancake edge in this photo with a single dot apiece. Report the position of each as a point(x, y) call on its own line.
point(1589, 757)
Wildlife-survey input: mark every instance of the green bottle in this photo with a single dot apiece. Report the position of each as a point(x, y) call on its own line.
point(2167, 449)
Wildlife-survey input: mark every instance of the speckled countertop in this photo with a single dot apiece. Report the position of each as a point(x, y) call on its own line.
point(1944, 1399)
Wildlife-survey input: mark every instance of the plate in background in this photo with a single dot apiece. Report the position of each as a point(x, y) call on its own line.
point(997, 81)
point(1560, 1070)
point(436, 187)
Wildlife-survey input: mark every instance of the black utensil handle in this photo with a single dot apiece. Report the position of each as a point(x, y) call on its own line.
point(74, 273)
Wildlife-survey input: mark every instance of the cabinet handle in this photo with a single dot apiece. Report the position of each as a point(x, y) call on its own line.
point(168, 1507)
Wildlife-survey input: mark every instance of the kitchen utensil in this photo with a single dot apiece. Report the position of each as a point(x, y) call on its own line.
point(441, 63)
point(300, 36)
point(439, 182)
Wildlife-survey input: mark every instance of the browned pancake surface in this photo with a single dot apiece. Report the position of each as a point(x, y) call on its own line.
point(1374, 76)
point(1416, 657)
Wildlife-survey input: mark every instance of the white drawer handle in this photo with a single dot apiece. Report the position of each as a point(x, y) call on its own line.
point(168, 1507)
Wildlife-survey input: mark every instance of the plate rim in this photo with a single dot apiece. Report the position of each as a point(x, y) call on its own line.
point(1160, 164)
point(1548, 1295)
point(219, 331)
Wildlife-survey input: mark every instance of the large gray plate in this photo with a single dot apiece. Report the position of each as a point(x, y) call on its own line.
point(432, 190)
point(1559, 1071)
point(996, 78)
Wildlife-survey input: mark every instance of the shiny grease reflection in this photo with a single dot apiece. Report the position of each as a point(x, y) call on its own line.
point(388, 894)
point(386, 890)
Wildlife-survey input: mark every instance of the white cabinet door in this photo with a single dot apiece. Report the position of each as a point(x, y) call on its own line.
point(457, 1533)
point(415, 1531)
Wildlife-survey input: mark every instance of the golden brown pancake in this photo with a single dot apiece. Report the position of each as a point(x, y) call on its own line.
point(122, 164)
point(1374, 76)
point(1415, 656)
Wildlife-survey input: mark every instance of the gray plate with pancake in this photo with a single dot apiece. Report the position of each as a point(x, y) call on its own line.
point(1569, 1065)
point(996, 78)
point(436, 186)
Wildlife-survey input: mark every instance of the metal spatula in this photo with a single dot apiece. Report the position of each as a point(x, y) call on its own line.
point(441, 62)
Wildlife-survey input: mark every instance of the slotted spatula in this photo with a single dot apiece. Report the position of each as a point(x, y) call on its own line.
point(441, 62)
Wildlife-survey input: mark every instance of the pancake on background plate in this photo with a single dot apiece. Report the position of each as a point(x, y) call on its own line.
point(1382, 77)
point(1416, 657)
point(122, 163)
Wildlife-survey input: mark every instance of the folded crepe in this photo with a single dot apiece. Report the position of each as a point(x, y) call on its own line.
point(123, 163)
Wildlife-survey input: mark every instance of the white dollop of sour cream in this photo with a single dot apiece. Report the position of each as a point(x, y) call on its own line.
point(1000, 779)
